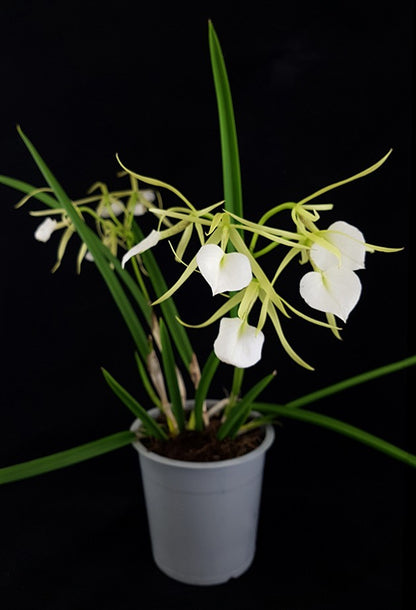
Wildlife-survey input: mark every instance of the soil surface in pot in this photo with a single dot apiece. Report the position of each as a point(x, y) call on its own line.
point(194, 446)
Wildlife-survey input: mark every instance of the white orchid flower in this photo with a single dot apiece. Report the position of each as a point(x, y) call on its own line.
point(238, 343)
point(336, 290)
point(223, 272)
point(148, 194)
point(146, 243)
point(140, 208)
point(334, 287)
point(348, 240)
point(116, 207)
point(45, 229)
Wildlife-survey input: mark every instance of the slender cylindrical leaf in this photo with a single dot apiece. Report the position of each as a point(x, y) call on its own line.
point(24, 187)
point(62, 459)
point(169, 369)
point(340, 427)
point(170, 313)
point(207, 374)
point(352, 381)
point(149, 424)
point(239, 413)
point(228, 132)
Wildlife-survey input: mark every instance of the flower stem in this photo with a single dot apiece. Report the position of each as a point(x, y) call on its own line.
point(139, 279)
point(235, 390)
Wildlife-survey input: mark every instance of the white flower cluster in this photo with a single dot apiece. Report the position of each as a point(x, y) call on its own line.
point(231, 266)
point(332, 287)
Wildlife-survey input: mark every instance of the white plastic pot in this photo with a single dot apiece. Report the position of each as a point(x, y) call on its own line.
point(203, 515)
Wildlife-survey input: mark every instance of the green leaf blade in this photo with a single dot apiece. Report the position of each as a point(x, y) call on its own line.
point(228, 133)
point(24, 187)
point(62, 459)
point(170, 313)
point(241, 410)
point(169, 369)
point(207, 374)
point(150, 425)
point(352, 381)
point(341, 427)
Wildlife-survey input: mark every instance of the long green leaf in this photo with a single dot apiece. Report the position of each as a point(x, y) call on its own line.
point(124, 275)
point(84, 232)
point(340, 427)
point(168, 307)
point(239, 413)
point(62, 459)
point(228, 133)
point(150, 425)
point(24, 187)
point(352, 381)
point(207, 374)
point(169, 369)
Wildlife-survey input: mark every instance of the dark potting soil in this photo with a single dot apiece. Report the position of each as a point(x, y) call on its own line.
point(194, 446)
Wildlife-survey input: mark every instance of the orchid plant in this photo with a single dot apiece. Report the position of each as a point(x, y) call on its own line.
point(226, 250)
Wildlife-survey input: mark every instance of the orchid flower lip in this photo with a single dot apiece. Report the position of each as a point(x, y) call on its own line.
point(116, 208)
point(238, 343)
point(148, 194)
point(45, 229)
point(350, 243)
point(223, 272)
point(336, 290)
point(139, 209)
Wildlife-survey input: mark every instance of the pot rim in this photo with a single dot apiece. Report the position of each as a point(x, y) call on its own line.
point(251, 455)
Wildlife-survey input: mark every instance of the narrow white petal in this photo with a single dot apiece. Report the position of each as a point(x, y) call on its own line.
point(238, 344)
point(45, 229)
point(89, 257)
point(222, 271)
point(336, 291)
point(350, 242)
point(146, 243)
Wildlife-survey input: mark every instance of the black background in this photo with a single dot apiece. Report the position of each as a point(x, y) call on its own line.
point(321, 91)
